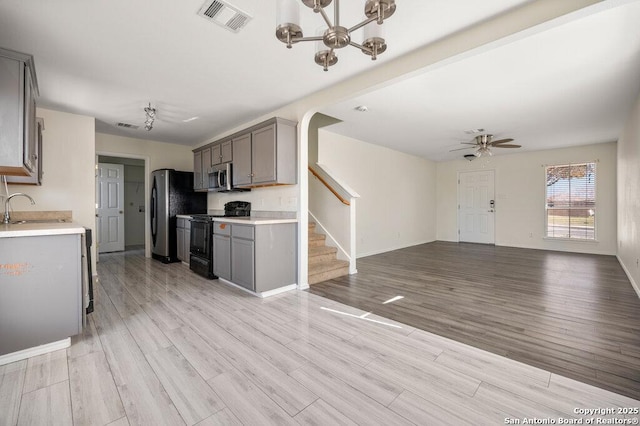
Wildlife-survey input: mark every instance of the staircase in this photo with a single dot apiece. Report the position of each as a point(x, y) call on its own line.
point(323, 264)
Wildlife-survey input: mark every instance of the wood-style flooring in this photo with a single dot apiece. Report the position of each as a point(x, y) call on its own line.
point(576, 315)
point(166, 347)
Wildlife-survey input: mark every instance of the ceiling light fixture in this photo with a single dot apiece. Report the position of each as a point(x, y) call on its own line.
point(150, 117)
point(288, 28)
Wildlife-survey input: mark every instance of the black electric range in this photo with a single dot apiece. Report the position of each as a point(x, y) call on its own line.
point(201, 245)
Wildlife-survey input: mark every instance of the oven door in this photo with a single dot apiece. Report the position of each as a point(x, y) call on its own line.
point(200, 244)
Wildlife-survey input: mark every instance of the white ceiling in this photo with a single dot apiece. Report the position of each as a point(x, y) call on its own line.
point(571, 84)
point(108, 59)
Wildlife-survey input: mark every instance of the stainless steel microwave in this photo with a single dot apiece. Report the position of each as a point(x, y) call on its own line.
point(220, 178)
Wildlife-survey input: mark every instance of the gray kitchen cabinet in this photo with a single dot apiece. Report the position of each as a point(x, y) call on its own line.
point(222, 250)
point(35, 177)
point(41, 292)
point(221, 153)
point(183, 238)
point(262, 155)
point(242, 260)
point(258, 257)
point(242, 160)
point(201, 169)
point(222, 256)
point(206, 167)
point(180, 243)
point(187, 242)
point(267, 155)
point(198, 183)
point(18, 132)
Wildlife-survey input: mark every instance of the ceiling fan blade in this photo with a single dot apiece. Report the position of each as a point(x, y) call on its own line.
point(469, 143)
point(460, 149)
point(501, 141)
point(508, 146)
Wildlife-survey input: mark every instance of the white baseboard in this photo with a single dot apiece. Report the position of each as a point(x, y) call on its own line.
point(278, 290)
point(385, 250)
point(626, 271)
point(304, 286)
point(38, 350)
point(261, 294)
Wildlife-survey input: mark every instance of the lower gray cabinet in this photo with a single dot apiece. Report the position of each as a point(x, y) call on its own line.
point(242, 261)
point(259, 257)
point(41, 291)
point(183, 238)
point(222, 256)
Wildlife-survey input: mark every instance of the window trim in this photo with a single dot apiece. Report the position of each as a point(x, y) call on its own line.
point(545, 234)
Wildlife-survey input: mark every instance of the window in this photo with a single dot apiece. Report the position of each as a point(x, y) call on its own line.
point(571, 201)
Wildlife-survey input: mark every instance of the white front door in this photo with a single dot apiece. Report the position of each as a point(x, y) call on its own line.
point(476, 207)
point(110, 207)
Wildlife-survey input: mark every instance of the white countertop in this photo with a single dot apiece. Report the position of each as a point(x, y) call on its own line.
point(39, 229)
point(254, 220)
point(251, 220)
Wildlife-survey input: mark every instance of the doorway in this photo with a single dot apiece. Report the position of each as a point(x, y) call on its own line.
point(122, 228)
point(476, 207)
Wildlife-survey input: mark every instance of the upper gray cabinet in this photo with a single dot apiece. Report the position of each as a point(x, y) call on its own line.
point(35, 177)
point(266, 155)
point(221, 153)
point(242, 163)
point(198, 183)
point(262, 155)
point(201, 169)
point(18, 128)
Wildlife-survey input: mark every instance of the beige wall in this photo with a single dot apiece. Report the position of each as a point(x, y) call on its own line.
point(520, 197)
point(159, 154)
point(629, 197)
point(68, 183)
point(397, 191)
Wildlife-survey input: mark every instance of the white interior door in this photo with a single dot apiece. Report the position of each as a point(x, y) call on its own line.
point(476, 207)
point(110, 207)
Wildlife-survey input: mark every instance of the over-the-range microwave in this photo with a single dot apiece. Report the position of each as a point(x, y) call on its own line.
point(221, 179)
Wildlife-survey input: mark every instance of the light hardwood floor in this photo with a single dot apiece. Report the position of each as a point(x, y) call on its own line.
point(573, 314)
point(165, 346)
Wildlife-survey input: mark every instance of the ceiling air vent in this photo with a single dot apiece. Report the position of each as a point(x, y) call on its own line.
point(225, 15)
point(127, 126)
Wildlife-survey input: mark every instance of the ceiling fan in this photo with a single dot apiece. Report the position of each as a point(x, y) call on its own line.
point(483, 143)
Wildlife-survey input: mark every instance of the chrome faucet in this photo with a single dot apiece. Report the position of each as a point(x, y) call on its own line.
point(7, 219)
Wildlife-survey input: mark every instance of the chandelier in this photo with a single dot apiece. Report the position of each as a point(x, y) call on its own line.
point(150, 117)
point(335, 36)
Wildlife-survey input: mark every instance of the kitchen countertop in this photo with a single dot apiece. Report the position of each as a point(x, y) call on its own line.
point(183, 216)
point(251, 220)
point(31, 229)
point(254, 220)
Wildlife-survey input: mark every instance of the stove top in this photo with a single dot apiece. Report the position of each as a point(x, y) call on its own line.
point(231, 209)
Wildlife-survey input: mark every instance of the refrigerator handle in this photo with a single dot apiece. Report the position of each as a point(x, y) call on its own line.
point(154, 205)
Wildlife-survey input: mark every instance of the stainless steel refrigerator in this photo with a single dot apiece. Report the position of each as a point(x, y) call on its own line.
point(171, 194)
